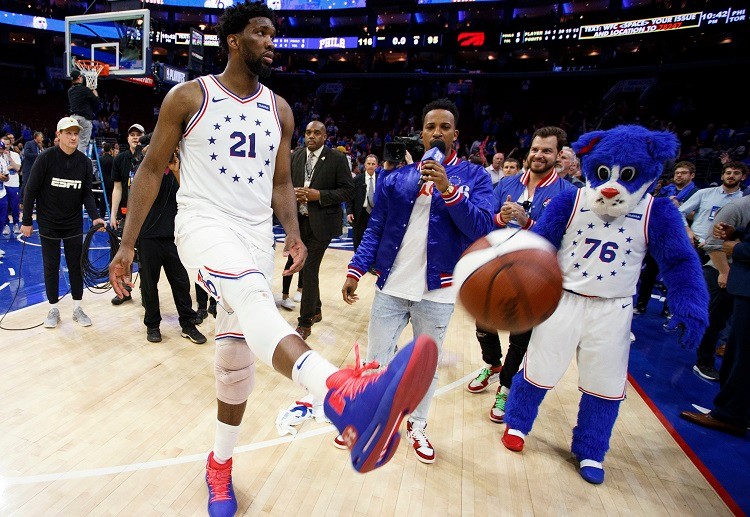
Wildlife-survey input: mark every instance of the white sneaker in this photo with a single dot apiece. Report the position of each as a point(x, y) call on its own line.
point(81, 318)
point(298, 297)
point(16, 229)
point(2, 253)
point(53, 318)
point(288, 304)
point(418, 439)
point(6, 231)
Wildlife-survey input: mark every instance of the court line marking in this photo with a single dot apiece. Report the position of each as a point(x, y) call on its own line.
point(192, 458)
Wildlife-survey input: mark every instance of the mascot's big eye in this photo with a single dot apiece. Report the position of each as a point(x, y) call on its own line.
point(602, 172)
point(627, 173)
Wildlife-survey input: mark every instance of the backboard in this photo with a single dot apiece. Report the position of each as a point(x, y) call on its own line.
point(120, 39)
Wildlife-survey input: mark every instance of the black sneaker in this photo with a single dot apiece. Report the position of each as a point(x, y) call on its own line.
point(119, 301)
point(194, 335)
point(200, 316)
point(153, 335)
point(706, 371)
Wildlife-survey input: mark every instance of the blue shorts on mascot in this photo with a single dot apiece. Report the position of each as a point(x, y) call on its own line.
point(602, 233)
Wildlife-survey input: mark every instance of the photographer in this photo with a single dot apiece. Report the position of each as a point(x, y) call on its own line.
point(123, 169)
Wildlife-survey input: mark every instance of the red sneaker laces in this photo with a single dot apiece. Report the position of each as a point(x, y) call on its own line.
point(219, 480)
point(354, 379)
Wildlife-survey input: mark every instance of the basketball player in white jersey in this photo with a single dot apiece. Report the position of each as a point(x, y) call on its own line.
point(235, 141)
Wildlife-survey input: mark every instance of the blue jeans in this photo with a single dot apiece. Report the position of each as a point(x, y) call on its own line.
point(388, 318)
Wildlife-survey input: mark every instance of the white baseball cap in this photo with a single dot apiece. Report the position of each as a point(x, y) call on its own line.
point(66, 123)
point(137, 127)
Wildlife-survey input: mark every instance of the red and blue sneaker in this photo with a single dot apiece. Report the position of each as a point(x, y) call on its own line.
point(221, 500)
point(367, 406)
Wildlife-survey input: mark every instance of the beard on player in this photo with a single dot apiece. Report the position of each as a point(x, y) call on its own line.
point(258, 67)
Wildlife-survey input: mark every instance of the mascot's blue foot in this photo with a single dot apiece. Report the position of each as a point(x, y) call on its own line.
point(592, 471)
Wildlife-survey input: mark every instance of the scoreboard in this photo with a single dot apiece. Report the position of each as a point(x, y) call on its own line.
point(700, 19)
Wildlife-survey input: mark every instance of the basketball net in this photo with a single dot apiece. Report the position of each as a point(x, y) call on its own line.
point(91, 71)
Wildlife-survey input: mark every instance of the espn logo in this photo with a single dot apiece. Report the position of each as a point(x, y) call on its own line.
point(63, 183)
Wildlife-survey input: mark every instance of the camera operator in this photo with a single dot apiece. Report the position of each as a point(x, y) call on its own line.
point(123, 169)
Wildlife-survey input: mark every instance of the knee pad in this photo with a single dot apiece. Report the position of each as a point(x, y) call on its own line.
point(234, 370)
point(254, 316)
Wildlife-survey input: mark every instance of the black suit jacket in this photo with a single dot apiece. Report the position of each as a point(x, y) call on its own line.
point(333, 178)
point(356, 206)
point(738, 283)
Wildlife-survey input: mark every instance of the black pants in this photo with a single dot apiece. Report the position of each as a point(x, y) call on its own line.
point(732, 403)
point(492, 354)
point(154, 254)
point(647, 280)
point(360, 225)
point(311, 304)
point(719, 311)
point(73, 245)
point(286, 281)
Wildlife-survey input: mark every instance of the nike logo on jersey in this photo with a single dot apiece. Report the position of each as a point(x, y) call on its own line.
point(585, 210)
point(214, 99)
point(625, 305)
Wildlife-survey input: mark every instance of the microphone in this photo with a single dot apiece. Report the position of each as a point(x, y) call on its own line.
point(436, 152)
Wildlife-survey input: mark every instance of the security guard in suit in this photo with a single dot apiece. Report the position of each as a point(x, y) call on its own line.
point(322, 182)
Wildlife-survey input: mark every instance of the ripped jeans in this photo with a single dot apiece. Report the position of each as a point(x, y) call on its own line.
point(388, 318)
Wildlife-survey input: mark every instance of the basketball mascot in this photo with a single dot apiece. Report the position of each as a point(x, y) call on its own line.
point(602, 232)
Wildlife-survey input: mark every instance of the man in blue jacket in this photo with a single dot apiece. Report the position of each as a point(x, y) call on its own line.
point(520, 200)
point(426, 214)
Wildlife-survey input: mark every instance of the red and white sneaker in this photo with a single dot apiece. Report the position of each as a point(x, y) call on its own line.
point(513, 439)
point(339, 442)
point(418, 439)
point(488, 375)
point(367, 406)
point(221, 499)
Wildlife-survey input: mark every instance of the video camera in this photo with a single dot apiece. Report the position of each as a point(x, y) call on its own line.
point(395, 152)
point(143, 141)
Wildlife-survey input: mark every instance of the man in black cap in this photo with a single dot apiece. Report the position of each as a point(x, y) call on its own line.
point(124, 166)
point(84, 103)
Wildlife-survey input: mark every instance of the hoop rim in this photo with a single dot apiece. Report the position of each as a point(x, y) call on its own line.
point(92, 66)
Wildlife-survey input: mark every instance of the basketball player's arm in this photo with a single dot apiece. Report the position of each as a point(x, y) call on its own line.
point(179, 105)
point(283, 199)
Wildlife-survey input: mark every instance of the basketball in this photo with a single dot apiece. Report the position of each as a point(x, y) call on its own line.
point(509, 280)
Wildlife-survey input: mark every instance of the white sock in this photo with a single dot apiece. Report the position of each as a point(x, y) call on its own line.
point(76, 304)
point(311, 370)
point(53, 305)
point(224, 441)
point(505, 390)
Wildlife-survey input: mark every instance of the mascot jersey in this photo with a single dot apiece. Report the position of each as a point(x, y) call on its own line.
point(228, 153)
point(603, 258)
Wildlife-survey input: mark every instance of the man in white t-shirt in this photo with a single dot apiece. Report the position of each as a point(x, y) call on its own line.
point(11, 164)
point(495, 170)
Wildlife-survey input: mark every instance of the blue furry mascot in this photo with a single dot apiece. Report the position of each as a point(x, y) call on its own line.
point(602, 232)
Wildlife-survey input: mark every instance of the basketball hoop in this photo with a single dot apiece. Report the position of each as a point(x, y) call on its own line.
point(91, 70)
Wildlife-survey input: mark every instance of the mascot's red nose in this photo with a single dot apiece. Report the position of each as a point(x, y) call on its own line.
point(609, 193)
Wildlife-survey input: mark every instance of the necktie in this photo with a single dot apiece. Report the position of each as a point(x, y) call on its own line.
point(309, 166)
point(370, 193)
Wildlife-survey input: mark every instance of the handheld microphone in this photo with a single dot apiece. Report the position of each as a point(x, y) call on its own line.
point(436, 152)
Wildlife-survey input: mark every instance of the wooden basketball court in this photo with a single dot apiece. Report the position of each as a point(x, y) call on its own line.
point(98, 421)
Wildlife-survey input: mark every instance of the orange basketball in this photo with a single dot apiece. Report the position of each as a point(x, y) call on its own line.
point(509, 280)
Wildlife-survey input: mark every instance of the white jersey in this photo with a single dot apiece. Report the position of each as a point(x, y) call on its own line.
point(604, 258)
point(228, 154)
